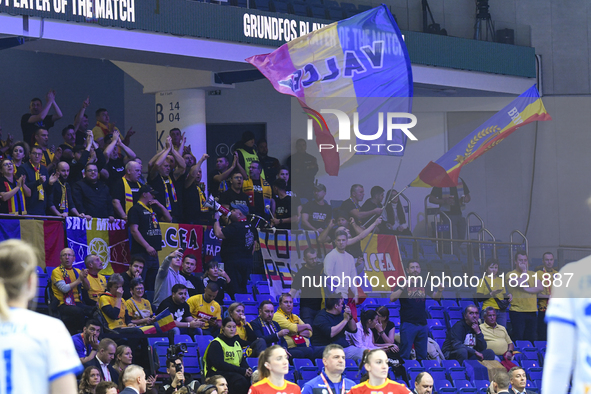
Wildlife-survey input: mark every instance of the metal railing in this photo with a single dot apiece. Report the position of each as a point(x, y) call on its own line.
point(523, 237)
point(482, 226)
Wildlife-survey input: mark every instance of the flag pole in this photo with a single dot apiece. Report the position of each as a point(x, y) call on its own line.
point(392, 188)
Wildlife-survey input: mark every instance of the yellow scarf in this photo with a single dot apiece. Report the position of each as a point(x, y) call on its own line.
point(173, 190)
point(128, 195)
point(64, 200)
point(152, 214)
point(37, 178)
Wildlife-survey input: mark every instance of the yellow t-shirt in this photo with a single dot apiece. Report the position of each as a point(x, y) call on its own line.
point(543, 302)
point(291, 323)
point(202, 309)
point(99, 132)
point(57, 275)
point(98, 286)
point(110, 300)
point(522, 301)
point(145, 308)
point(496, 338)
point(495, 284)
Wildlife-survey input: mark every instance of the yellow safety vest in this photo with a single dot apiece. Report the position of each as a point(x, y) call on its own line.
point(232, 355)
point(249, 158)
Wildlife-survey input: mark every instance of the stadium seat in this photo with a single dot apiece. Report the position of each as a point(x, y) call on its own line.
point(308, 375)
point(281, 6)
point(246, 299)
point(349, 363)
point(540, 344)
point(437, 375)
point(228, 299)
point(332, 4)
point(438, 334)
point(319, 364)
point(263, 5)
point(252, 362)
point(430, 364)
point(303, 364)
point(535, 375)
point(351, 374)
point(300, 9)
point(435, 322)
point(444, 386)
point(289, 376)
point(522, 344)
point(318, 11)
point(251, 310)
point(183, 338)
point(481, 383)
point(202, 342)
point(457, 375)
point(431, 302)
point(452, 365)
point(437, 314)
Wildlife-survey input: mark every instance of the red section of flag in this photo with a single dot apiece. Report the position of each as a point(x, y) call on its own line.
point(53, 236)
point(191, 239)
point(323, 136)
point(120, 254)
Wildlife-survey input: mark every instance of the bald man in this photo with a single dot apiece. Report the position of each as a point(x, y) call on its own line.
point(67, 283)
point(61, 202)
point(126, 191)
point(423, 383)
point(134, 380)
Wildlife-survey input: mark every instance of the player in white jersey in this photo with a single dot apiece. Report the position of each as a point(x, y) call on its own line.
point(37, 354)
point(569, 331)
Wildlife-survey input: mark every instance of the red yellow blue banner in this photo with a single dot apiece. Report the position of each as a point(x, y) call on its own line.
point(445, 171)
point(182, 236)
point(47, 236)
point(359, 67)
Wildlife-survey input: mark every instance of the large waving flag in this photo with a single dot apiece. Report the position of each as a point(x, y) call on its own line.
point(357, 67)
point(445, 171)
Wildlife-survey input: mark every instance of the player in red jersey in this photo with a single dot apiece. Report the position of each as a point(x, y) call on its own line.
point(273, 365)
point(376, 365)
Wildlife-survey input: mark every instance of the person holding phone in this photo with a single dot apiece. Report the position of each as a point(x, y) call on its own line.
point(169, 274)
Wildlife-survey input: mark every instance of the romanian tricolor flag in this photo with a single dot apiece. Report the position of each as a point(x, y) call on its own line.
point(47, 236)
point(109, 241)
point(347, 76)
point(382, 261)
point(445, 171)
point(188, 237)
point(164, 322)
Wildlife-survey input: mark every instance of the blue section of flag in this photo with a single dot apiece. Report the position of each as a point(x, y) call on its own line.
point(10, 229)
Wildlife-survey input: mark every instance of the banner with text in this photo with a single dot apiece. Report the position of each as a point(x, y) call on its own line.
point(182, 236)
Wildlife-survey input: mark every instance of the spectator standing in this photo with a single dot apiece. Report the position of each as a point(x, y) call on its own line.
point(303, 167)
point(286, 213)
point(195, 212)
point(81, 123)
point(340, 264)
point(234, 195)
point(214, 273)
point(38, 116)
point(259, 191)
point(50, 156)
point(92, 196)
point(316, 214)
point(104, 127)
point(36, 179)
point(547, 271)
point(413, 314)
point(524, 287)
point(67, 147)
point(61, 202)
point(13, 190)
point(352, 206)
point(493, 289)
point(188, 272)
point(115, 161)
point(247, 154)
point(218, 179)
point(270, 165)
point(126, 190)
point(238, 241)
point(452, 200)
point(395, 216)
point(169, 275)
point(310, 292)
point(146, 236)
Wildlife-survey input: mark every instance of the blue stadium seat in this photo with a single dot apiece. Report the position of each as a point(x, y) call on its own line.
point(252, 362)
point(290, 376)
point(535, 375)
point(452, 365)
point(281, 6)
point(540, 344)
point(350, 363)
point(396, 321)
point(444, 386)
point(457, 375)
point(202, 342)
point(183, 338)
point(438, 334)
point(431, 302)
point(319, 364)
point(522, 344)
point(531, 365)
point(363, 8)
point(308, 375)
point(303, 364)
point(435, 323)
point(251, 310)
point(332, 4)
point(481, 383)
point(351, 374)
point(246, 299)
point(448, 303)
point(262, 287)
point(437, 314)
point(430, 364)
point(300, 8)
point(227, 299)
point(437, 375)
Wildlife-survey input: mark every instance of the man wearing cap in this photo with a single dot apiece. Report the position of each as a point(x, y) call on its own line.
point(316, 214)
point(238, 240)
point(146, 237)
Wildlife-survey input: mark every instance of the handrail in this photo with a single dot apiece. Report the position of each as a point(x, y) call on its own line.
point(451, 233)
point(409, 219)
point(468, 222)
point(481, 238)
point(427, 214)
point(522, 236)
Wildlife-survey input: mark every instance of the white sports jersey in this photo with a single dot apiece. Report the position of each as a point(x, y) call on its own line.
point(34, 350)
point(571, 304)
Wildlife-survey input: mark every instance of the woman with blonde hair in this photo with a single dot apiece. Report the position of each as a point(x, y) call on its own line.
point(273, 366)
point(90, 378)
point(123, 358)
point(38, 352)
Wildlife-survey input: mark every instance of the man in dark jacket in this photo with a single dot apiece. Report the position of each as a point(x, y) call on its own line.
point(92, 196)
point(465, 341)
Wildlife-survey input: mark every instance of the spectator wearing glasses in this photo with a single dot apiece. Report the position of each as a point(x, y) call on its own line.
point(36, 178)
point(92, 196)
point(13, 190)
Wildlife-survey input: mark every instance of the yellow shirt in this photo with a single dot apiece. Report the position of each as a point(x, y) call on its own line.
point(291, 323)
point(110, 300)
point(57, 275)
point(204, 310)
point(497, 284)
point(496, 338)
point(543, 302)
point(98, 286)
point(145, 308)
point(98, 131)
point(522, 301)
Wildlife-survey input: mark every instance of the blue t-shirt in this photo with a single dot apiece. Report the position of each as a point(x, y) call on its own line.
point(81, 349)
point(323, 322)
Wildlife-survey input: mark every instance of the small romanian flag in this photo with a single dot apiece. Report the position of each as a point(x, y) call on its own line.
point(164, 321)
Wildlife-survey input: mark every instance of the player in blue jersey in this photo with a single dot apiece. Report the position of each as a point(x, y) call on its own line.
point(37, 354)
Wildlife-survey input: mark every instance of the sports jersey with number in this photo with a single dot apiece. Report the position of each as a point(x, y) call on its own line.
point(34, 351)
point(571, 304)
point(266, 387)
point(389, 387)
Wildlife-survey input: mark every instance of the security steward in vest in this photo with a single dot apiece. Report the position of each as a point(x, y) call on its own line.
point(247, 152)
point(224, 357)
